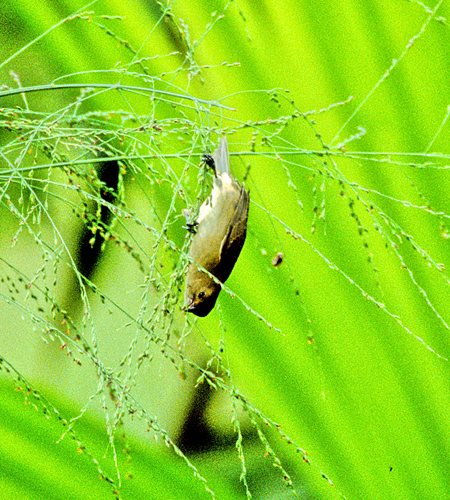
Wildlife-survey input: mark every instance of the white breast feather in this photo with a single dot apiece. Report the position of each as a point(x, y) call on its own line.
point(217, 190)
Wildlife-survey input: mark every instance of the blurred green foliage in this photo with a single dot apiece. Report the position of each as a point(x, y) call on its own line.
point(41, 460)
point(333, 365)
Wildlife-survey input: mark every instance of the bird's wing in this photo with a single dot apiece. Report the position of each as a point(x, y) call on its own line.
point(233, 240)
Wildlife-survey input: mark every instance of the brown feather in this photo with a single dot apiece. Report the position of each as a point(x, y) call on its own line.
point(221, 230)
point(234, 240)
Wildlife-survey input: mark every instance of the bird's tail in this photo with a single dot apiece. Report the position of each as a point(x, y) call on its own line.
point(221, 159)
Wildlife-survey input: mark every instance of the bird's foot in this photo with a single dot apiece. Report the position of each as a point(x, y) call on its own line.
point(191, 225)
point(209, 160)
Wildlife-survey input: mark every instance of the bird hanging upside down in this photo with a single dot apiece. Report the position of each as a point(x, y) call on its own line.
point(220, 231)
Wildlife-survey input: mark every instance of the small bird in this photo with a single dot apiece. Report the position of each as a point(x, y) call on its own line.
point(220, 231)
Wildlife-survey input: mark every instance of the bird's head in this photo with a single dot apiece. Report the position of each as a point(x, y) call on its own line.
point(200, 295)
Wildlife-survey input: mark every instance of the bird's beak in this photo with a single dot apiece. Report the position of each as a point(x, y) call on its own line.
point(189, 306)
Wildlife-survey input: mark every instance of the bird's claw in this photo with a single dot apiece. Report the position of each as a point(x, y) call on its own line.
point(190, 226)
point(208, 160)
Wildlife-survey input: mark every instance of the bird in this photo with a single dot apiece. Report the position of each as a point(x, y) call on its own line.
point(219, 235)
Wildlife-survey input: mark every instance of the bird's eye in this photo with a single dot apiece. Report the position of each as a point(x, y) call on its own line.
point(201, 295)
